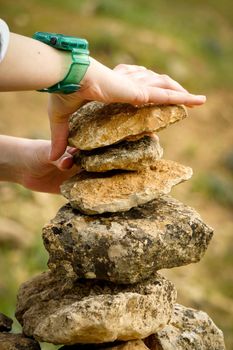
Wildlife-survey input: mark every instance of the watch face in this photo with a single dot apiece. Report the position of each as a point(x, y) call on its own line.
point(62, 42)
point(70, 42)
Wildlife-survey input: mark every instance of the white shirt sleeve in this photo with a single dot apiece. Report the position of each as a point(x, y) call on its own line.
point(4, 38)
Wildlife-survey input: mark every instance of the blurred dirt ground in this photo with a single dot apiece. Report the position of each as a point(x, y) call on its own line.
point(191, 42)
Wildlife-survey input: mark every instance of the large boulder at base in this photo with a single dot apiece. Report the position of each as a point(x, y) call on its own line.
point(188, 329)
point(69, 312)
point(5, 323)
point(97, 193)
point(126, 155)
point(97, 124)
point(10, 341)
point(126, 247)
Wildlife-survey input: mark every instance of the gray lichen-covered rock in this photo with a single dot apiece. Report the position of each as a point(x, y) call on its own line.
point(188, 329)
point(5, 323)
point(10, 341)
point(126, 247)
point(97, 193)
point(68, 312)
point(126, 155)
point(97, 124)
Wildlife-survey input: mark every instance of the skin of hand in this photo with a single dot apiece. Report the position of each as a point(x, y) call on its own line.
point(39, 65)
point(125, 83)
point(27, 163)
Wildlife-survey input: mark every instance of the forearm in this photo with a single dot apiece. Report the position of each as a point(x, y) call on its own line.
point(10, 158)
point(31, 65)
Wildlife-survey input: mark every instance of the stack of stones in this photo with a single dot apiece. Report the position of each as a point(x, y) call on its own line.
point(106, 245)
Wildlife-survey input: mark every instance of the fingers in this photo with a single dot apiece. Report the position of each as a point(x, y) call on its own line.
point(66, 161)
point(165, 82)
point(146, 78)
point(167, 96)
point(125, 83)
point(72, 150)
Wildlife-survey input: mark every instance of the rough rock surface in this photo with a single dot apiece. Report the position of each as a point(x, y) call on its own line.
point(126, 155)
point(10, 341)
point(97, 193)
point(97, 124)
point(129, 345)
point(189, 329)
point(69, 312)
point(126, 247)
point(5, 323)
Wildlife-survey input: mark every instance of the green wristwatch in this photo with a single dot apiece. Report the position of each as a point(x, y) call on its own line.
point(80, 60)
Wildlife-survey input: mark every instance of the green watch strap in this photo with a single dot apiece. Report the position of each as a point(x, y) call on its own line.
point(80, 60)
point(71, 83)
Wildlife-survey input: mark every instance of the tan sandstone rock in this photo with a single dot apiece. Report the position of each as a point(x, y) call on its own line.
point(69, 312)
point(97, 124)
point(125, 247)
point(10, 341)
point(97, 193)
point(188, 329)
point(124, 155)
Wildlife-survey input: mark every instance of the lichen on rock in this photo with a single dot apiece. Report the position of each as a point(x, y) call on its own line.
point(9, 341)
point(129, 246)
point(5, 323)
point(126, 155)
point(188, 329)
point(69, 312)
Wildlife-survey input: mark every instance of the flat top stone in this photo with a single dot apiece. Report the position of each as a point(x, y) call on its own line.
point(68, 311)
point(93, 193)
point(10, 341)
point(97, 124)
point(5, 323)
point(126, 155)
point(129, 246)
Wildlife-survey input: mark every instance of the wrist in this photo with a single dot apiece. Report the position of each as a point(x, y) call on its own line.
point(97, 80)
point(11, 150)
point(79, 54)
point(31, 65)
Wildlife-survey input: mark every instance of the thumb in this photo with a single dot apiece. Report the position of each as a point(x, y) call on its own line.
point(59, 136)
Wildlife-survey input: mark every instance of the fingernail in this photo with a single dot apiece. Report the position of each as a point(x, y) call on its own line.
point(201, 97)
point(67, 162)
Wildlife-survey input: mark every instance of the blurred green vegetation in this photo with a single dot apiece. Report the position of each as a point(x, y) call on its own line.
point(186, 38)
point(215, 187)
point(192, 42)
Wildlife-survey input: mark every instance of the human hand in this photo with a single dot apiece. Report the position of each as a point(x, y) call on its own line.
point(27, 162)
point(125, 83)
point(40, 174)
